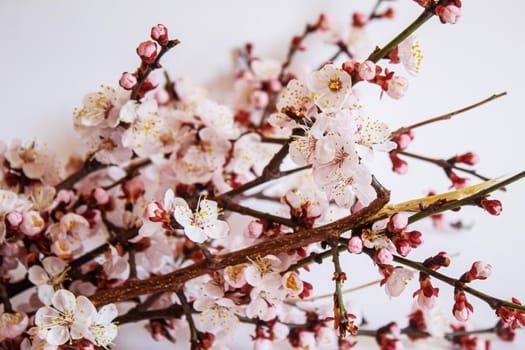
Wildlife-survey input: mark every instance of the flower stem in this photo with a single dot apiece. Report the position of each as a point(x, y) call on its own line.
point(418, 22)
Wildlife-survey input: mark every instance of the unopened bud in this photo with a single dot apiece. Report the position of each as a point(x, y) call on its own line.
point(128, 81)
point(159, 33)
point(492, 206)
point(355, 245)
point(468, 158)
point(147, 51)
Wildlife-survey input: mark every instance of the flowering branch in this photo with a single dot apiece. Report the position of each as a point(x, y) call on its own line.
point(175, 280)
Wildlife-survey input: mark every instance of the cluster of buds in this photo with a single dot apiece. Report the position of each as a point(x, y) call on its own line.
point(510, 317)
point(403, 240)
point(142, 80)
point(427, 294)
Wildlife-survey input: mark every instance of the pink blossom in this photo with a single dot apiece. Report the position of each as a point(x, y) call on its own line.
point(398, 222)
point(367, 70)
point(128, 81)
point(13, 324)
point(355, 245)
point(397, 87)
point(384, 257)
point(397, 281)
point(448, 14)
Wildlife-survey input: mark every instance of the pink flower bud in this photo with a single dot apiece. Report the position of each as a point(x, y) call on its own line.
point(324, 23)
point(367, 70)
point(355, 245)
point(457, 182)
point(14, 218)
point(403, 141)
point(349, 66)
point(397, 222)
point(397, 87)
point(151, 82)
point(481, 270)
point(147, 51)
point(274, 85)
point(448, 14)
point(399, 166)
point(403, 247)
point(259, 99)
point(360, 19)
point(462, 309)
point(469, 158)
point(101, 196)
point(492, 206)
point(159, 33)
point(128, 81)
point(383, 257)
point(255, 229)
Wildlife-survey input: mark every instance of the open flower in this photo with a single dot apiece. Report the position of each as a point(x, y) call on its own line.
point(330, 86)
point(203, 223)
point(102, 331)
point(46, 278)
point(67, 318)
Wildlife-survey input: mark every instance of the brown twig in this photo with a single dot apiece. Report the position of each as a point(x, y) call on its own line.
point(443, 164)
point(446, 116)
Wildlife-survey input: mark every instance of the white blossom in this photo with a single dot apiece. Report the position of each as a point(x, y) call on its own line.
point(203, 223)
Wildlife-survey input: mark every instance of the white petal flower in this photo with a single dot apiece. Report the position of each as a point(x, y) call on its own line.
point(102, 331)
point(330, 86)
point(410, 54)
point(68, 318)
point(397, 281)
point(216, 314)
point(203, 223)
point(47, 278)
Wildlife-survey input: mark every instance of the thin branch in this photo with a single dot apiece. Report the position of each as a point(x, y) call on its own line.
point(443, 164)
point(493, 302)
point(446, 116)
point(187, 309)
point(228, 204)
point(4, 297)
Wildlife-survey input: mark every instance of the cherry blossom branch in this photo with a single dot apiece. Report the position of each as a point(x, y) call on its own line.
point(443, 164)
point(469, 200)
point(175, 280)
point(142, 75)
point(446, 116)
point(493, 302)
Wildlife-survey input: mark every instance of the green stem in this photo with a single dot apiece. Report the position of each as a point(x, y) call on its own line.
point(425, 16)
point(465, 201)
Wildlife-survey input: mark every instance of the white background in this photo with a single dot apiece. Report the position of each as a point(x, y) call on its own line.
point(52, 53)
